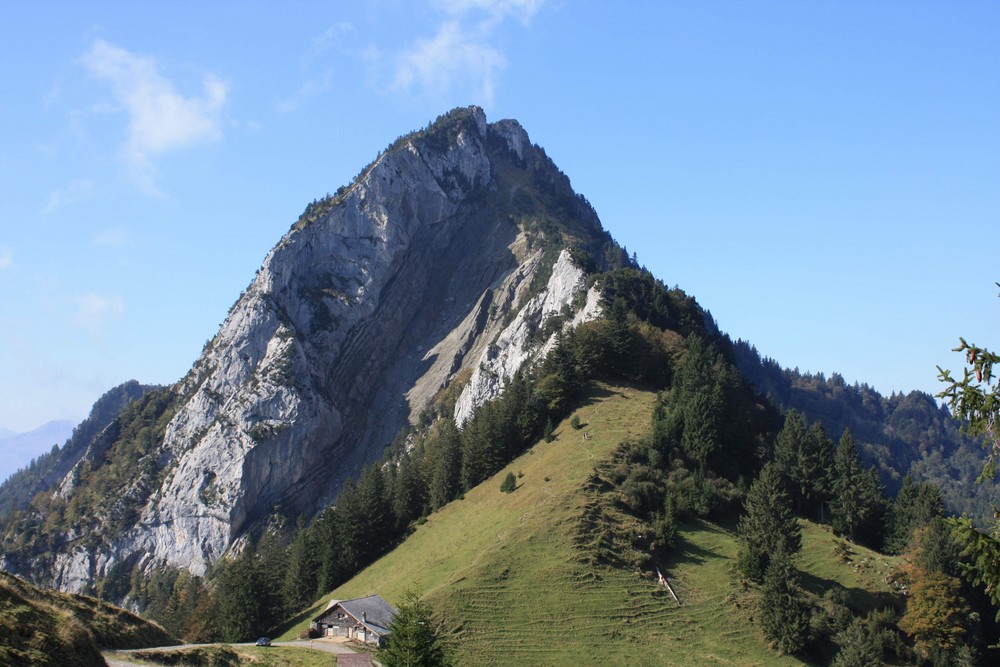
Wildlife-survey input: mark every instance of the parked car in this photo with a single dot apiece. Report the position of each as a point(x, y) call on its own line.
point(263, 641)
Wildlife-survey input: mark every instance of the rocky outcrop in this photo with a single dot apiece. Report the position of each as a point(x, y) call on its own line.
point(443, 256)
point(356, 319)
point(565, 296)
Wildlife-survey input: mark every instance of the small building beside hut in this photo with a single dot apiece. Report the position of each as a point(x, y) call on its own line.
point(364, 619)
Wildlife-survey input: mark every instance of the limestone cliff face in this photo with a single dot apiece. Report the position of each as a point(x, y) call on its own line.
point(430, 263)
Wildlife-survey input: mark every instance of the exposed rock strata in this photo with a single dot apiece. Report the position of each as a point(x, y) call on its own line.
point(369, 306)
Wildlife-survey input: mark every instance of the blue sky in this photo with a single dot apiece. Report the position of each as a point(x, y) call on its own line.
point(824, 177)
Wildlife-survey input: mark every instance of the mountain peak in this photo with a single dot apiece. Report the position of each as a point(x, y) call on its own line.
point(442, 262)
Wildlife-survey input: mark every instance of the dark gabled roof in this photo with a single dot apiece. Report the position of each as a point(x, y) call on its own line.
point(372, 611)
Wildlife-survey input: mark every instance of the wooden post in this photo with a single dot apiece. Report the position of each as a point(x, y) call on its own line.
point(666, 584)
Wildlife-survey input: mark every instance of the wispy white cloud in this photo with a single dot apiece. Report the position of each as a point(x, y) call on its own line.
point(113, 237)
point(461, 53)
point(94, 310)
point(76, 190)
point(6, 258)
point(314, 85)
point(321, 45)
point(454, 56)
point(314, 65)
point(161, 119)
point(495, 10)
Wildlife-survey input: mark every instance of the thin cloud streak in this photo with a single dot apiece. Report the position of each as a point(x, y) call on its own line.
point(94, 310)
point(461, 53)
point(450, 58)
point(160, 118)
point(73, 192)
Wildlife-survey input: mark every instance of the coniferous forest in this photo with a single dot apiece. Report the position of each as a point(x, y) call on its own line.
point(716, 448)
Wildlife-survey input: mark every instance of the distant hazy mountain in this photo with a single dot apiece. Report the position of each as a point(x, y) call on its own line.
point(17, 449)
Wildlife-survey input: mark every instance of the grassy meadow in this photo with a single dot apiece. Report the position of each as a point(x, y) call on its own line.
point(506, 574)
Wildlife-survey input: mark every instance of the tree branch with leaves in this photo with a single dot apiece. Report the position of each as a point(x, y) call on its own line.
point(975, 399)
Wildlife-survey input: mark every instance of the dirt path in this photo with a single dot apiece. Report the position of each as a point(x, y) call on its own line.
point(117, 658)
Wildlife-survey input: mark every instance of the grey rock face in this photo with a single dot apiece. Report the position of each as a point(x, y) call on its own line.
point(514, 345)
point(357, 318)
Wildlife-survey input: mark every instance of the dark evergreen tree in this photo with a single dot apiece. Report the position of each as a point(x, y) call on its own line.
point(446, 474)
point(269, 571)
point(299, 584)
point(768, 528)
point(784, 613)
point(350, 528)
point(917, 504)
point(413, 638)
point(482, 445)
point(238, 609)
point(376, 517)
point(326, 544)
point(866, 641)
point(858, 504)
point(619, 354)
point(409, 495)
point(788, 447)
point(804, 456)
point(822, 452)
point(509, 483)
point(697, 403)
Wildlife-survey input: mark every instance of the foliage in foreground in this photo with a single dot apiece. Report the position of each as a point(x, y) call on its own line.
point(232, 656)
point(42, 627)
point(415, 637)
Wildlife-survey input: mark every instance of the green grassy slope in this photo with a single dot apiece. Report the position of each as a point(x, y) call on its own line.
point(508, 576)
point(44, 627)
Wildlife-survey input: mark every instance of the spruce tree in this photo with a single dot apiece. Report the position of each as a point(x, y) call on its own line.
point(238, 606)
point(298, 587)
point(446, 476)
point(269, 563)
point(326, 543)
point(413, 640)
point(822, 452)
point(917, 504)
point(804, 458)
point(408, 493)
point(788, 447)
point(784, 613)
point(509, 483)
point(768, 527)
point(858, 503)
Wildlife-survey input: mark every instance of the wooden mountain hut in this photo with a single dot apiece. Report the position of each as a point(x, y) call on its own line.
point(364, 619)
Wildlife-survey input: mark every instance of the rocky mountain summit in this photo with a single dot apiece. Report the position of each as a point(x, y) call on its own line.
point(459, 253)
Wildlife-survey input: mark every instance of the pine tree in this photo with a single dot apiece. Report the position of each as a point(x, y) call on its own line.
point(975, 400)
point(860, 645)
point(408, 493)
point(269, 572)
point(238, 606)
point(858, 502)
point(768, 527)
point(548, 434)
point(509, 483)
point(784, 613)
point(917, 504)
point(788, 446)
point(804, 457)
point(447, 471)
point(413, 640)
point(298, 586)
point(326, 543)
point(822, 452)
